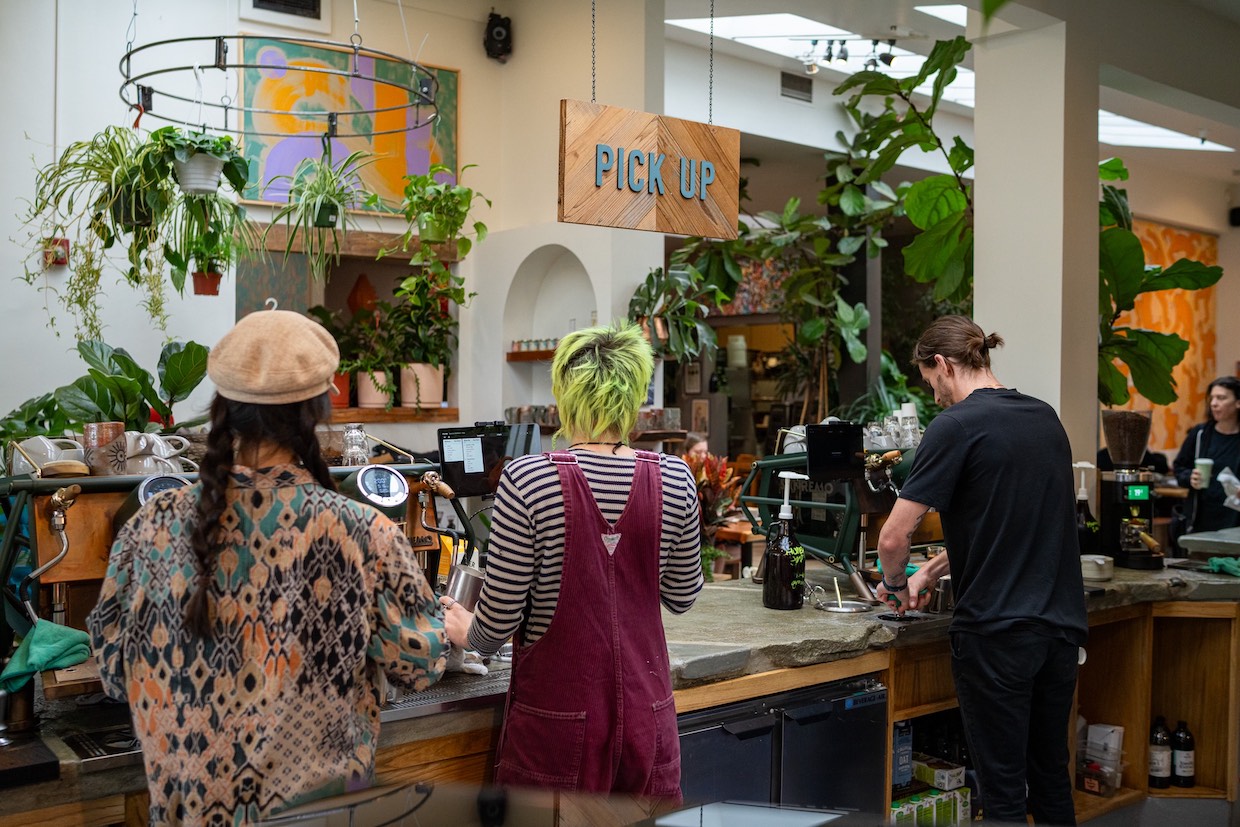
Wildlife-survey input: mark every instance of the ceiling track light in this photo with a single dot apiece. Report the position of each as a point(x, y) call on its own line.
point(842, 54)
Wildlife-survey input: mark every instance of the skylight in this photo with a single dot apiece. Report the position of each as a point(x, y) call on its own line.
point(1117, 130)
point(956, 15)
point(807, 41)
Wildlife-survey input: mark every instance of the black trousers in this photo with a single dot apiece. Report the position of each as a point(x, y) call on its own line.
point(1015, 690)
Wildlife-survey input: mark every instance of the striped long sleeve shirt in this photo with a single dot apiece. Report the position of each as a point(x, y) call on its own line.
point(526, 552)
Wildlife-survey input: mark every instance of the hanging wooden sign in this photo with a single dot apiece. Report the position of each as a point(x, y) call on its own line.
point(623, 168)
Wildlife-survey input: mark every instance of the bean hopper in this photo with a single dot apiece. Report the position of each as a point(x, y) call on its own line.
point(1126, 495)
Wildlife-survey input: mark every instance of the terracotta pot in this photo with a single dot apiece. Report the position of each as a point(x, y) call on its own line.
point(368, 396)
point(421, 386)
point(340, 399)
point(207, 284)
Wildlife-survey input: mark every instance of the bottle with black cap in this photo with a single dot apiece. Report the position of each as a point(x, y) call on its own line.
point(1160, 755)
point(1183, 757)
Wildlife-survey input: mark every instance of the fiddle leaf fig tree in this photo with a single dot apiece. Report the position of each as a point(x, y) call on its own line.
point(1122, 276)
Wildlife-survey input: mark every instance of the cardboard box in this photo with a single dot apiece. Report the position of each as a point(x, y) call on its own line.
point(936, 772)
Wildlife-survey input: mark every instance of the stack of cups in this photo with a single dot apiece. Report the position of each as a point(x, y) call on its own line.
point(910, 425)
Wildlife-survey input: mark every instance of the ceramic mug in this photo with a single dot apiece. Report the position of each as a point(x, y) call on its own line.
point(139, 444)
point(99, 434)
point(147, 464)
point(116, 457)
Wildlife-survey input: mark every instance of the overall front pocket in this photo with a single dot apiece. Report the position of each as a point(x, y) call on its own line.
point(541, 747)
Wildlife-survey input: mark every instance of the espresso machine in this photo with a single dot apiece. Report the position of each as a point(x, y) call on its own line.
point(1126, 495)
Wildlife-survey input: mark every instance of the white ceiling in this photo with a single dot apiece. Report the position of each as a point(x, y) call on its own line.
point(788, 169)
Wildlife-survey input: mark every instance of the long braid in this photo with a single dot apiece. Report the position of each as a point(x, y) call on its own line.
point(205, 540)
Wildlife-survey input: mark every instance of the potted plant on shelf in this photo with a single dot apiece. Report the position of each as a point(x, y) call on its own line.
point(345, 335)
point(378, 339)
point(429, 333)
point(320, 195)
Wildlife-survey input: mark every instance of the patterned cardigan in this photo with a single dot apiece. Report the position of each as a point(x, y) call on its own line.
point(313, 594)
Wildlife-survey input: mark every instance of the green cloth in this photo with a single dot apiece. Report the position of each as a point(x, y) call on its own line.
point(1225, 565)
point(48, 646)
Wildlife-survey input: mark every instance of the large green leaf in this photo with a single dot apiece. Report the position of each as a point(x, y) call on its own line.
point(812, 330)
point(1113, 169)
point(182, 367)
point(933, 199)
point(960, 157)
point(928, 255)
point(1185, 274)
point(87, 400)
point(1112, 383)
point(1121, 263)
point(852, 201)
point(96, 354)
point(1114, 210)
point(1150, 358)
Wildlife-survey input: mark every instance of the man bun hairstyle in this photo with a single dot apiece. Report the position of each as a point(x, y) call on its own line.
point(957, 339)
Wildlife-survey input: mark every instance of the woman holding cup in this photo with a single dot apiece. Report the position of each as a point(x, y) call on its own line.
point(1208, 449)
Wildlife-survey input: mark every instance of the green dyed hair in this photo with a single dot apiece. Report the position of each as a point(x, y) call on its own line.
point(599, 378)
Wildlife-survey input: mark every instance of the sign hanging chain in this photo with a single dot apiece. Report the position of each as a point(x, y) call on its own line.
point(593, 50)
point(710, 83)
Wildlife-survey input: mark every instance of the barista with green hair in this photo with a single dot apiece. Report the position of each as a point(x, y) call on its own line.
point(586, 544)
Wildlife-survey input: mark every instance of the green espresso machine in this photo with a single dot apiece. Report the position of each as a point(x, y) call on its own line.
point(846, 484)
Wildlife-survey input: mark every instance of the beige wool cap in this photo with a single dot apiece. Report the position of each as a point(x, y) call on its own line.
point(274, 357)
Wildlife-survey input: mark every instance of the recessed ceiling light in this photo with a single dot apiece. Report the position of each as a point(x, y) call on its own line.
point(955, 14)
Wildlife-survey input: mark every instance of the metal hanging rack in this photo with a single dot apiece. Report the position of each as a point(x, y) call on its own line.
point(139, 92)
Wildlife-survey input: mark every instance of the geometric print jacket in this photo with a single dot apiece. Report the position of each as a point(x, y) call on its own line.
point(313, 594)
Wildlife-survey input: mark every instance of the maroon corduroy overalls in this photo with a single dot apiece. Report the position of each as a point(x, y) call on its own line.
point(590, 702)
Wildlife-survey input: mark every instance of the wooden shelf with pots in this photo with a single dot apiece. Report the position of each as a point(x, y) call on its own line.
point(395, 414)
point(658, 436)
point(354, 243)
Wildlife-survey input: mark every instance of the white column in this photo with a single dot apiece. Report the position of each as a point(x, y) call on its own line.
point(1036, 253)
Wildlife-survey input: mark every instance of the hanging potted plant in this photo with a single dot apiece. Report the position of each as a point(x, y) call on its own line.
point(320, 195)
point(671, 308)
point(198, 160)
point(112, 190)
point(436, 205)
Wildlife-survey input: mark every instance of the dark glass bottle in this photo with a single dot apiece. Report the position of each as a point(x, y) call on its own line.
point(784, 583)
point(1086, 525)
point(1160, 755)
point(1183, 757)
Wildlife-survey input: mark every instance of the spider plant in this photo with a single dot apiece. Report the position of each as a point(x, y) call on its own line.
point(320, 195)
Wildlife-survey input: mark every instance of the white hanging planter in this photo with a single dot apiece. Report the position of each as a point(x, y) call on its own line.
point(421, 386)
point(200, 175)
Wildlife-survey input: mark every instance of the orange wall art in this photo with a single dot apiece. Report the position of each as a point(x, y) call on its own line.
point(1188, 313)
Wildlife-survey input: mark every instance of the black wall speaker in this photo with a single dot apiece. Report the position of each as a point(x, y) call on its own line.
point(498, 39)
point(1234, 217)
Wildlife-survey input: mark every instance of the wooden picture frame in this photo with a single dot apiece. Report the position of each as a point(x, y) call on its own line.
point(280, 89)
point(693, 378)
point(699, 419)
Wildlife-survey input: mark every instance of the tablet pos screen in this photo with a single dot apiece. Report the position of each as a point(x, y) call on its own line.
point(471, 459)
point(834, 451)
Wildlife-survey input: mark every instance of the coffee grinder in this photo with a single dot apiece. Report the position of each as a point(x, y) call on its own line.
point(1126, 495)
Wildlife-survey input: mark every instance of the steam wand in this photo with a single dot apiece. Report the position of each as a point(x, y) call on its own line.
point(61, 501)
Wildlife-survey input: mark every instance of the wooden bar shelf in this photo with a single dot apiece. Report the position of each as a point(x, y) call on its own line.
point(353, 244)
point(1092, 806)
point(529, 355)
point(395, 414)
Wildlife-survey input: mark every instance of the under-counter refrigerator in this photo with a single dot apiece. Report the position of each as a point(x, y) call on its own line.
point(821, 746)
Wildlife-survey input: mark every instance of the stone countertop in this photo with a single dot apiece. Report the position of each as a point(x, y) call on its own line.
point(1225, 542)
point(727, 634)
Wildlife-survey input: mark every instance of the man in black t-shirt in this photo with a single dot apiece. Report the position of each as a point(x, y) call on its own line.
point(997, 466)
